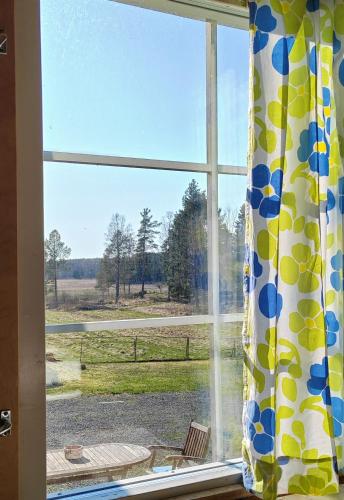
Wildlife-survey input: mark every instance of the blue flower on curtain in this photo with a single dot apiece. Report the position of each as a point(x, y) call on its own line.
point(313, 60)
point(270, 302)
point(264, 22)
point(336, 44)
point(338, 415)
point(341, 194)
point(314, 148)
point(265, 192)
point(326, 95)
point(336, 278)
point(312, 5)
point(261, 427)
point(332, 328)
point(280, 54)
point(318, 383)
point(341, 72)
point(331, 199)
point(254, 270)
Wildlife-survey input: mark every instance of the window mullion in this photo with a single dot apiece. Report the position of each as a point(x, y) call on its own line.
point(213, 239)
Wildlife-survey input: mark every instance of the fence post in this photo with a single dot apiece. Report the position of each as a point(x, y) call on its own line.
point(187, 350)
point(81, 349)
point(135, 349)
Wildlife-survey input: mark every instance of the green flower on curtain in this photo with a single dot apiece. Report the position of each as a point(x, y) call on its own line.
point(301, 92)
point(308, 323)
point(317, 481)
point(293, 12)
point(336, 372)
point(267, 242)
point(314, 149)
point(268, 472)
point(302, 268)
point(266, 353)
point(264, 22)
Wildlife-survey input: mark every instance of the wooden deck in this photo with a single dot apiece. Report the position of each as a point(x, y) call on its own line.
point(98, 460)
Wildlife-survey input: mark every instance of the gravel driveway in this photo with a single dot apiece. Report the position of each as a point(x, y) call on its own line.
point(151, 418)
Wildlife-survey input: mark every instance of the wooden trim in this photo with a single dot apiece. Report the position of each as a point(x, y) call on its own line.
point(8, 258)
point(239, 3)
point(234, 492)
point(32, 449)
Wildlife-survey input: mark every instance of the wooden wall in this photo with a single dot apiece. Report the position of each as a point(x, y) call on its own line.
point(8, 258)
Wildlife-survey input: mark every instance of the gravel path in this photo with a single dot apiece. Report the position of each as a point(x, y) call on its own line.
point(151, 418)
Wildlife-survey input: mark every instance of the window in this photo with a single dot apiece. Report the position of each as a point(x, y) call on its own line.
point(144, 183)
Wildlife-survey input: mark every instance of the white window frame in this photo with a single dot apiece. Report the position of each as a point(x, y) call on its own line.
point(214, 14)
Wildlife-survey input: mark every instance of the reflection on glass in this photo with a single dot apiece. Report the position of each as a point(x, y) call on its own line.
point(231, 388)
point(232, 192)
point(122, 80)
point(135, 387)
point(107, 259)
point(232, 49)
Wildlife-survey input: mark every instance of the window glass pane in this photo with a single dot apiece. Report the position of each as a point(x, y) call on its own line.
point(137, 241)
point(232, 50)
point(231, 388)
point(121, 80)
point(97, 393)
point(232, 193)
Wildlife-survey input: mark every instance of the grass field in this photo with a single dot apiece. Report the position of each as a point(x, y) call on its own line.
point(108, 358)
point(168, 358)
point(117, 378)
point(82, 295)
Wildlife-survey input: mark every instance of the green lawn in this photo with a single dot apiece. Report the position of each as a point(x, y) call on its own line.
point(53, 316)
point(108, 355)
point(137, 378)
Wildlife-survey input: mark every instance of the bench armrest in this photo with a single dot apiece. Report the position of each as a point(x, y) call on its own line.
point(163, 447)
point(179, 459)
point(155, 447)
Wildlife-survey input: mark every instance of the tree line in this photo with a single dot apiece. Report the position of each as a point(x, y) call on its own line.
point(172, 252)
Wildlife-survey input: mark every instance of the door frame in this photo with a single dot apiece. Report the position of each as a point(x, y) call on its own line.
point(30, 251)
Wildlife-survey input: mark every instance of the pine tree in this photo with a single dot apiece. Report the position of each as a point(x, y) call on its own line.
point(167, 224)
point(239, 250)
point(184, 248)
point(145, 243)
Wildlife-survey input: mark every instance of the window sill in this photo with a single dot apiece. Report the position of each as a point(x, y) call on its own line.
point(195, 482)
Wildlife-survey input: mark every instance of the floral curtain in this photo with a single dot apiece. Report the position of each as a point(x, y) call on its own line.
point(293, 331)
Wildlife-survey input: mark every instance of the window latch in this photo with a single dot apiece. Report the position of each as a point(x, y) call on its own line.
point(3, 42)
point(5, 423)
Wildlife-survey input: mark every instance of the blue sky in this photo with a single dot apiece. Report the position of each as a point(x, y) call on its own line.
point(126, 81)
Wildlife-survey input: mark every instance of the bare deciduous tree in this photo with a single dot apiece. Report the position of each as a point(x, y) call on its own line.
point(56, 252)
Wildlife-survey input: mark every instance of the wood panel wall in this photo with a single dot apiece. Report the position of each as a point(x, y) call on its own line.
point(8, 258)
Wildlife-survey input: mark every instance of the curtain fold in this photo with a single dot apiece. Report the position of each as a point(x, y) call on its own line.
point(293, 278)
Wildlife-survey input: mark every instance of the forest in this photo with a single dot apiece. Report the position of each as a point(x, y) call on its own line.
point(171, 253)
